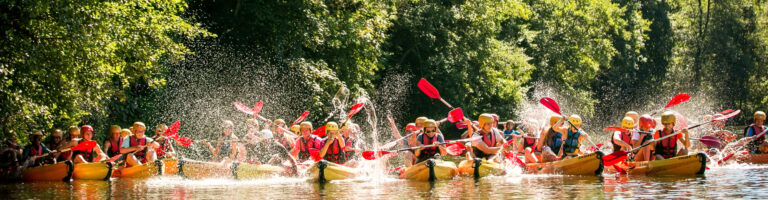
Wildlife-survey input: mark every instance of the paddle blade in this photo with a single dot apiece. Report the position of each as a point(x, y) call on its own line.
point(710, 141)
point(184, 141)
point(461, 126)
point(372, 155)
point(679, 98)
point(257, 108)
point(726, 111)
point(242, 108)
point(320, 131)
point(455, 149)
point(315, 154)
point(411, 127)
point(171, 131)
point(615, 157)
point(551, 104)
point(84, 146)
point(727, 116)
point(428, 89)
point(356, 108)
point(615, 128)
point(594, 149)
point(455, 115)
point(301, 118)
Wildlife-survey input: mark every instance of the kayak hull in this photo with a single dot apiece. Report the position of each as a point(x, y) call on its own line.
point(61, 171)
point(694, 164)
point(485, 168)
point(245, 171)
point(92, 171)
point(203, 170)
point(171, 166)
point(324, 171)
point(430, 170)
point(757, 159)
point(145, 170)
point(588, 164)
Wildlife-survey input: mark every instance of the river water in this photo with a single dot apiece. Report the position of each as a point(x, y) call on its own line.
point(733, 181)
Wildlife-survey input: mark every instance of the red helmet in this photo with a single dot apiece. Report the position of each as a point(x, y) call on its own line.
point(85, 128)
point(647, 121)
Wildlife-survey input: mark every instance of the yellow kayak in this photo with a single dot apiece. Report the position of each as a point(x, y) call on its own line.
point(197, 170)
point(245, 171)
point(677, 166)
point(430, 170)
point(757, 159)
point(61, 171)
point(93, 171)
point(171, 166)
point(485, 168)
point(323, 171)
point(587, 164)
point(140, 171)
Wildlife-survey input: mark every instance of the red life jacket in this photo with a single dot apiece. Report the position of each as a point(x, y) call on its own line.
point(667, 147)
point(305, 145)
point(428, 152)
point(87, 154)
point(490, 141)
point(350, 142)
point(36, 152)
point(625, 138)
point(335, 153)
point(529, 142)
point(141, 155)
point(114, 147)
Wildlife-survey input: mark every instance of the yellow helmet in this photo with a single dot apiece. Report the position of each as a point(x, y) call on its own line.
point(575, 120)
point(279, 121)
point(430, 123)
point(628, 123)
point(668, 117)
point(307, 125)
point(295, 128)
point(331, 126)
point(420, 121)
point(484, 119)
point(759, 115)
point(553, 119)
point(634, 115)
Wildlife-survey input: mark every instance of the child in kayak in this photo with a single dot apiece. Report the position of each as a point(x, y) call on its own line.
point(622, 140)
point(352, 147)
point(113, 142)
point(668, 148)
point(72, 139)
point(166, 149)
point(573, 138)
point(428, 137)
point(280, 135)
point(306, 143)
point(510, 130)
point(227, 147)
point(140, 149)
point(528, 146)
point(91, 155)
point(33, 154)
point(55, 141)
point(333, 145)
point(647, 125)
point(552, 139)
point(490, 144)
point(757, 145)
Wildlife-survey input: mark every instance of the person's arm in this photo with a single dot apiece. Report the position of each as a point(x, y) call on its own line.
point(480, 145)
point(617, 140)
point(441, 148)
point(107, 145)
point(328, 143)
point(560, 128)
point(126, 148)
point(540, 142)
point(685, 138)
point(295, 149)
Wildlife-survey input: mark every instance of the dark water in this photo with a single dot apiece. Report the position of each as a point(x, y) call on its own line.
point(734, 181)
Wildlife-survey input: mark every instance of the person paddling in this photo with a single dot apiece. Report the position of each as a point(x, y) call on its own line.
point(166, 149)
point(573, 138)
point(140, 149)
point(226, 148)
point(55, 142)
point(333, 145)
point(511, 130)
point(32, 153)
point(552, 139)
point(91, 155)
point(757, 145)
point(305, 143)
point(668, 148)
point(113, 142)
point(279, 134)
point(622, 140)
point(428, 137)
point(528, 146)
point(491, 141)
point(349, 133)
point(647, 127)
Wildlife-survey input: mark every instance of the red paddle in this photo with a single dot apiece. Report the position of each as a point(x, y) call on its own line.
point(710, 141)
point(431, 91)
point(320, 131)
point(455, 149)
point(301, 118)
point(243, 108)
point(620, 156)
point(83, 146)
point(172, 131)
point(677, 99)
point(455, 115)
point(257, 109)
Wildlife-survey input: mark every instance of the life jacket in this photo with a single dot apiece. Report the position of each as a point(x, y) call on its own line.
point(429, 152)
point(667, 147)
point(141, 155)
point(304, 147)
point(35, 151)
point(350, 143)
point(571, 144)
point(625, 137)
point(114, 147)
point(164, 147)
point(87, 155)
point(490, 141)
point(529, 142)
point(753, 130)
point(646, 136)
point(554, 141)
point(335, 153)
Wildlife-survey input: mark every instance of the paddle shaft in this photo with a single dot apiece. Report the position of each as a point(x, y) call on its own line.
point(666, 136)
point(743, 146)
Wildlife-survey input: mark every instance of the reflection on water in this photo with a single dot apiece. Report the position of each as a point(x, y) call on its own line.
point(735, 181)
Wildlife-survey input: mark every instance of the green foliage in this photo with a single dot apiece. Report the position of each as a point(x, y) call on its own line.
point(63, 61)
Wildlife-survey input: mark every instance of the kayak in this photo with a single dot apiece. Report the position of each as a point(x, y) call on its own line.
point(324, 171)
point(756, 158)
point(197, 170)
point(170, 166)
point(485, 168)
point(243, 171)
point(145, 170)
point(61, 171)
point(92, 171)
point(677, 166)
point(587, 164)
point(430, 170)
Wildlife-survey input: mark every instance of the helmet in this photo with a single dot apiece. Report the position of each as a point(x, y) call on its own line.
point(484, 118)
point(430, 123)
point(58, 133)
point(85, 128)
point(125, 132)
point(74, 130)
point(554, 119)
point(634, 115)
point(759, 115)
point(36, 132)
point(307, 125)
point(495, 117)
point(646, 121)
point(411, 127)
point(668, 117)
point(628, 123)
point(420, 121)
point(279, 121)
point(575, 120)
point(295, 128)
point(331, 126)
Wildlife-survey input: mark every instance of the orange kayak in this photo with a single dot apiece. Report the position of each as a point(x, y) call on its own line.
point(61, 171)
point(93, 171)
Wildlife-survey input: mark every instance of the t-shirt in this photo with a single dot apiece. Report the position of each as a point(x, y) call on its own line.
point(127, 141)
point(439, 138)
